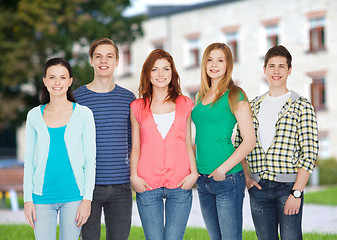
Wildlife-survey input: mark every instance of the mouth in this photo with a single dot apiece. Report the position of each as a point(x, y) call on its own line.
point(161, 79)
point(104, 67)
point(276, 78)
point(57, 88)
point(214, 71)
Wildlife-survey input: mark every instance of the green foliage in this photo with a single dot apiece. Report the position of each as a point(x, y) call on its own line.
point(32, 31)
point(327, 171)
point(327, 196)
point(25, 232)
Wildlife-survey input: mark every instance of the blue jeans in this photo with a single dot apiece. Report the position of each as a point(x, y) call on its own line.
point(177, 210)
point(116, 201)
point(267, 207)
point(221, 205)
point(46, 221)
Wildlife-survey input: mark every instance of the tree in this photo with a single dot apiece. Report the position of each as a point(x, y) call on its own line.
point(31, 31)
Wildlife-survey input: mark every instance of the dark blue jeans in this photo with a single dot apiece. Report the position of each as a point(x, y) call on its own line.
point(116, 202)
point(176, 211)
point(221, 205)
point(267, 207)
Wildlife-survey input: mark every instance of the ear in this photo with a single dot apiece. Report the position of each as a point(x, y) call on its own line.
point(71, 81)
point(264, 70)
point(44, 81)
point(289, 70)
point(91, 62)
point(117, 62)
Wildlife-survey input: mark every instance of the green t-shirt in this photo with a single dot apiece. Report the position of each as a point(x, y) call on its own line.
point(214, 128)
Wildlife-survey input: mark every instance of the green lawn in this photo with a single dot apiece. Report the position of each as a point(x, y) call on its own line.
point(25, 232)
point(327, 196)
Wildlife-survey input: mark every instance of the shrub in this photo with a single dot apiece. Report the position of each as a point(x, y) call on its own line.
point(327, 171)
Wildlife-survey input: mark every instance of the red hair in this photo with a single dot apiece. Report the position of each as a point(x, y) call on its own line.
point(145, 87)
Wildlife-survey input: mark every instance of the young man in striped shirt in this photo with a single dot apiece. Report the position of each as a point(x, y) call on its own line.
point(110, 105)
point(285, 153)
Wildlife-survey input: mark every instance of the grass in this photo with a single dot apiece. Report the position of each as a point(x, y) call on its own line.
point(25, 232)
point(327, 196)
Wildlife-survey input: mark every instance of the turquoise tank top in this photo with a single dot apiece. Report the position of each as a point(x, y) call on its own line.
point(59, 181)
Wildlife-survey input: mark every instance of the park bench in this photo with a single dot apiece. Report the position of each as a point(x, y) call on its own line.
point(11, 180)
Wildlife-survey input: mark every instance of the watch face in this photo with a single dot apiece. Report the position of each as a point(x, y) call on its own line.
point(297, 193)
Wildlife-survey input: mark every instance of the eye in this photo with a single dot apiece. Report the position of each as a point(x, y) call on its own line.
point(154, 69)
point(110, 56)
point(221, 60)
point(167, 69)
point(208, 60)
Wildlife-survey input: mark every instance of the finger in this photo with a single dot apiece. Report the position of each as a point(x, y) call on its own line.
point(77, 216)
point(147, 185)
point(211, 175)
point(34, 215)
point(181, 183)
point(257, 185)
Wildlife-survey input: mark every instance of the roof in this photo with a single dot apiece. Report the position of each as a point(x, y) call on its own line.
point(165, 10)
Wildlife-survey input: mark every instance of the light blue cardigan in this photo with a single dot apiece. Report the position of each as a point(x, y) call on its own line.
point(80, 140)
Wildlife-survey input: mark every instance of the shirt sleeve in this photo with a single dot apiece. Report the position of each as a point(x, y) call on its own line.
point(308, 138)
point(28, 160)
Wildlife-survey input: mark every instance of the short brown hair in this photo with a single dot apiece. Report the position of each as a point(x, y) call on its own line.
point(102, 41)
point(278, 51)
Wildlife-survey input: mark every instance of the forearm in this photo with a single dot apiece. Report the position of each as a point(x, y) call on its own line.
point(301, 179)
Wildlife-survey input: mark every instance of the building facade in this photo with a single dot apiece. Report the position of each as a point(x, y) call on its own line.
point(308, 28)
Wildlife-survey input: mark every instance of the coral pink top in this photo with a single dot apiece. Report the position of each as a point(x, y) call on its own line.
point(163, 162)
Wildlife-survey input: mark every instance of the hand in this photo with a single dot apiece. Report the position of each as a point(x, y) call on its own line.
point(218, 175)
point(83, 212)
point(188, 181)
point(251, 182)
point(139, 184)
point(30, 214)
point(292, 205)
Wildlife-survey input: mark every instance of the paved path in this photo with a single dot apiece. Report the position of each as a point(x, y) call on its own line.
point(316, 218)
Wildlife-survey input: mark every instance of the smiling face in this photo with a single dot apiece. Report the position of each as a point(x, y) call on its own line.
point(57, 80)
point(216, 65)
point(104, 60)
point(161, 74)
point(277, 72)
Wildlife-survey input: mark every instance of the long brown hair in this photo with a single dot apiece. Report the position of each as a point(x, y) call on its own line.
point(145, 87)
point(225, 83)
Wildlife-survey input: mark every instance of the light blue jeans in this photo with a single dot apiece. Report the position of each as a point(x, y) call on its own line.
point(221, 205)
point(46, 221)
point(150, 204)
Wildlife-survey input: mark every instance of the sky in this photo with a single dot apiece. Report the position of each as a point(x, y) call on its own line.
point(140, 6)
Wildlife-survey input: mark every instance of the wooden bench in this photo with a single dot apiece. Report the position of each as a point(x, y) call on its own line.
point(11, 180)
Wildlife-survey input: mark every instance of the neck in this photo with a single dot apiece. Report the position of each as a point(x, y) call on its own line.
point(159, 94)
point(276, 92)
point(214, 84)
point(101, 85)
point(58, 103)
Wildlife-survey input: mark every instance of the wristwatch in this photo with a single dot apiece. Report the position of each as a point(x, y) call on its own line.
point(296, 193)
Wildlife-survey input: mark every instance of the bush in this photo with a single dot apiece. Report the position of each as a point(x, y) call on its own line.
point(327, 171)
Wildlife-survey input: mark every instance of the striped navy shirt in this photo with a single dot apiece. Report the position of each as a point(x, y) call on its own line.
point(113, 132)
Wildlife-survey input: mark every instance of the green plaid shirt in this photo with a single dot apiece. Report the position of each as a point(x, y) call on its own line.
point(295, 144)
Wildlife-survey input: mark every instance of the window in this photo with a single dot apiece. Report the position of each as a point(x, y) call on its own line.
point(318, 93)
point(124, 69)
point(193, 52)
point(232, 42)
point(158, 44)
point(272, 32)
point(317, 39)
point(324, 145)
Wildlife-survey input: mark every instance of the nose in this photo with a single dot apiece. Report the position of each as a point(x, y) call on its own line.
point(213, 63)
point(161, 72)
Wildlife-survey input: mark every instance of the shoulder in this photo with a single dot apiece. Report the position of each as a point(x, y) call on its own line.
point(80, 90)
point(83, 109)
point(125, 92)
point(34, 112)
point(137, 103)
point(184, 99)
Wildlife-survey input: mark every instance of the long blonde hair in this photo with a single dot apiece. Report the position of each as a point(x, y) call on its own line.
point(225, 83)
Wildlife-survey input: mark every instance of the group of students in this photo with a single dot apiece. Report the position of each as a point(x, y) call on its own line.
point(84, 150)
